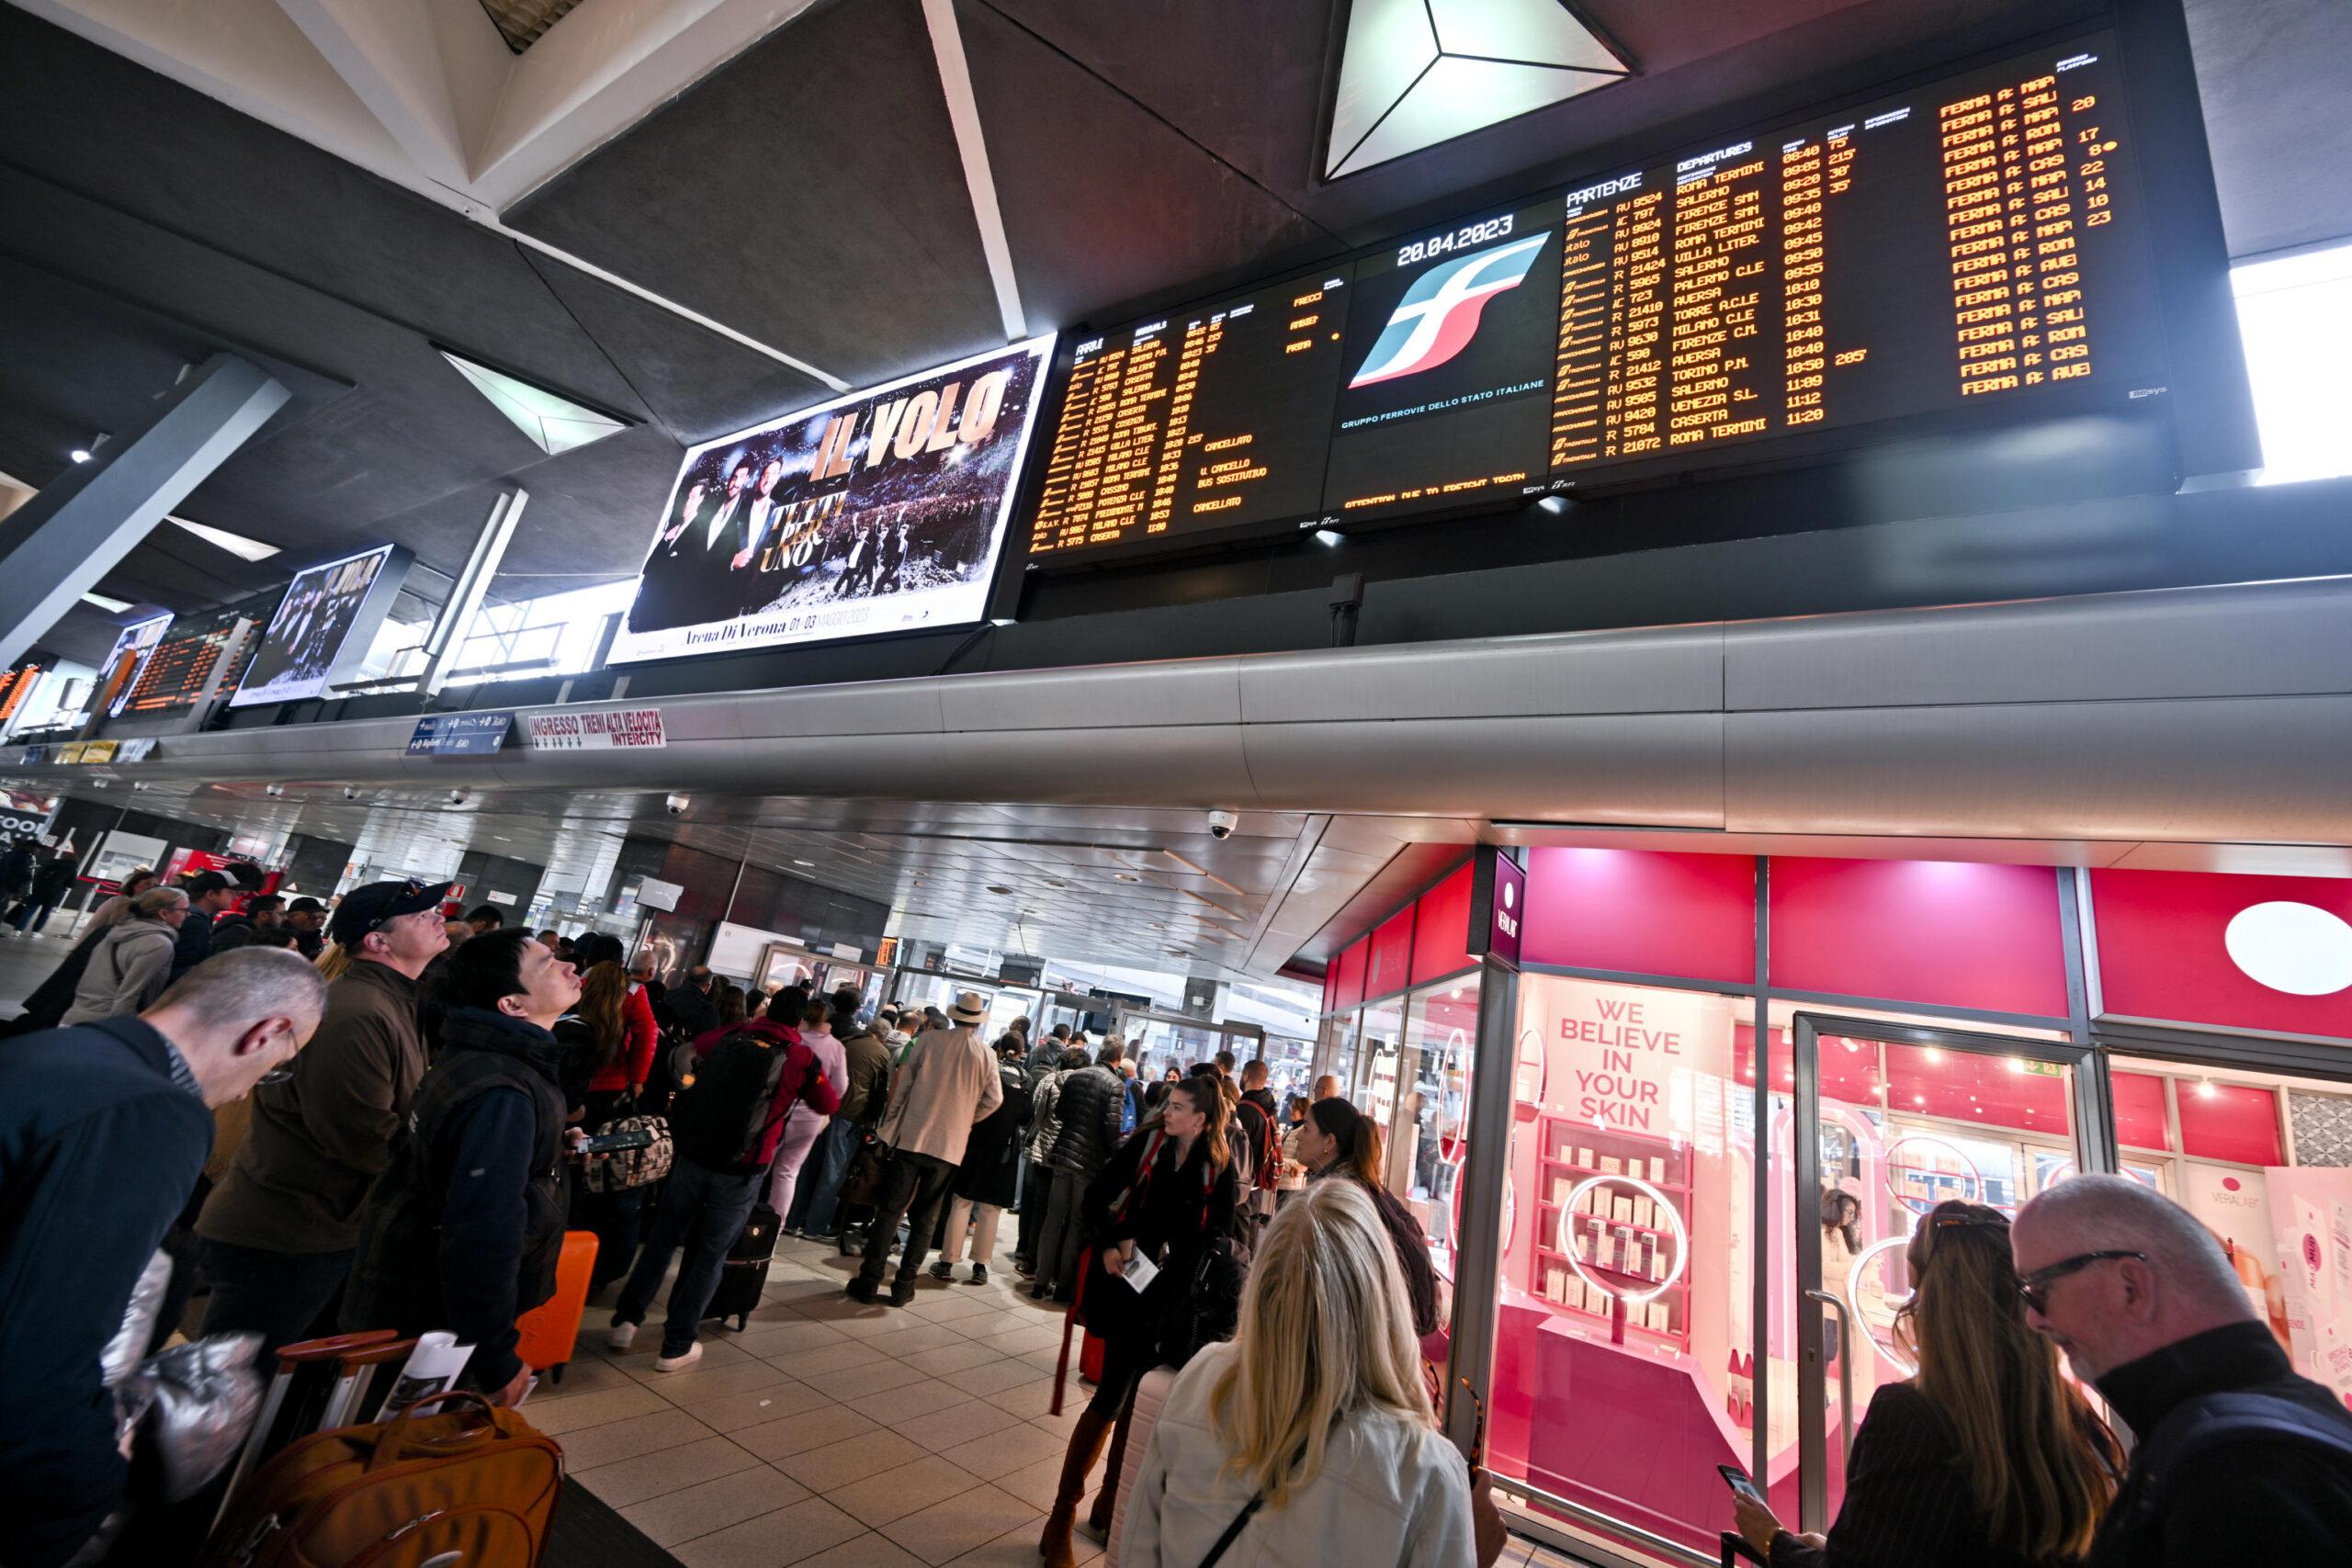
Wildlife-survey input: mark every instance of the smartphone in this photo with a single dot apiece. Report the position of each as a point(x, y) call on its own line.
point(635, 1138)
point(1738, 1480)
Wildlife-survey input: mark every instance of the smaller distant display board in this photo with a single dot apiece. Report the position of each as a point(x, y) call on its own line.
point(323, 626)
point(127, 659)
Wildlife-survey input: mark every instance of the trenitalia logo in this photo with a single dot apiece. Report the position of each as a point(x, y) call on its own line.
point(1439, 315)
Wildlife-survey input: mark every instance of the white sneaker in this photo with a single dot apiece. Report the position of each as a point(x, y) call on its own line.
point(620, 1336)
point(679, 1363)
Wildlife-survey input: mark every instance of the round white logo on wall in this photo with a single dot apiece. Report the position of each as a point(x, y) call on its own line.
point(1510, 895)
point(2300, 949)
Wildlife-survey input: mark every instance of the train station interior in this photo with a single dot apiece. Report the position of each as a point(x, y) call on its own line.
point(1710, 610)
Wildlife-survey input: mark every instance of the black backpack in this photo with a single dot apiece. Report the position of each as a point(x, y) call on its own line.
point(724, 1114)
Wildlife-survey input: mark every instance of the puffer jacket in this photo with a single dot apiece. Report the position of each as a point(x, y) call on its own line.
point(1088, 1110)
point(1045, 1115)
point(128, 970)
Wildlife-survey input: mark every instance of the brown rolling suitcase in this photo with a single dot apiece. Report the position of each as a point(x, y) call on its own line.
point(479, 1482)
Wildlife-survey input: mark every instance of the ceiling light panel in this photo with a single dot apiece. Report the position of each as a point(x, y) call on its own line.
point(555, 423)
point(1417, 73)
point(235, 544)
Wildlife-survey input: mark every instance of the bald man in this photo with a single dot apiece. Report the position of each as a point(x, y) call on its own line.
point(1328, 1086)
point(2239, 1459)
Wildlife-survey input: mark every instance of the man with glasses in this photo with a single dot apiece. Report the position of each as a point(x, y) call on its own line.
point(279, 1234)
point(2237, 1459)
point(104, 1129)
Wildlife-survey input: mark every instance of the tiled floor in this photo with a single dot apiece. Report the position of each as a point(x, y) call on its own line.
point(830, 1434)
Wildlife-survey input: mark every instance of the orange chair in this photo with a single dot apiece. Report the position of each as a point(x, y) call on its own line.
point(551, 1329)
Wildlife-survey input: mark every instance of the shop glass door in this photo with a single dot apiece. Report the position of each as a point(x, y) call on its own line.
point(1430, 1141)
point(1896, 1119)
point(1375, 1086)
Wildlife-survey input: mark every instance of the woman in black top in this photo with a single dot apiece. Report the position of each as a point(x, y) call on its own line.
point(1988, 1458)
point(1168, 1192)
point(1341, 1141)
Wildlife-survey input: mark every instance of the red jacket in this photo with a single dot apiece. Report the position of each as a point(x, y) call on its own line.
point(803, 1078)
point(635, 1058)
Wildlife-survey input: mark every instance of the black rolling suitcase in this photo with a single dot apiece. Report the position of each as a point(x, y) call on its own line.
point(745, 1273)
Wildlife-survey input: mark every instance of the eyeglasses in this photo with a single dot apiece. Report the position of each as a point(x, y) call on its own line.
point(2035, 1287)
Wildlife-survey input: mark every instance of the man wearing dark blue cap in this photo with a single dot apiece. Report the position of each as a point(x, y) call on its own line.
point(280, 1233)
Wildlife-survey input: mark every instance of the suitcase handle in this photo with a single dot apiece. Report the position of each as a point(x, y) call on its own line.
point(375, 1355)
point(393, 1442)
point(310, 1350)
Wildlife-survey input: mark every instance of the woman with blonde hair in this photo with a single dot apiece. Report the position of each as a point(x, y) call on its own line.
point(1988, 1456)
point(1308, 1436)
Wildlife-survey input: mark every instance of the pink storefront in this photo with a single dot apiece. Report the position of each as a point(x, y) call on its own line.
point(1661, 1291)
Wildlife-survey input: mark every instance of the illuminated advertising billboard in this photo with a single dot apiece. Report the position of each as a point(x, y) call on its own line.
point(323, 626)
point(882, 511)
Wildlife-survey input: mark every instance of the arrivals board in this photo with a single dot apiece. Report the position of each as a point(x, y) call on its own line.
point(175, 675)
point(1222, 411)
point(1973, 243)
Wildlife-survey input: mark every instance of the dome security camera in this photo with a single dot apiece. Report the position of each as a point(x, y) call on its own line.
point(351, 792)
point(457, 797)
point(1222, 823)
point(676, 805)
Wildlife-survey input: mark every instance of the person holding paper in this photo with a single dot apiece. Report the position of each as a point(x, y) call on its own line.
point(1167, 1193)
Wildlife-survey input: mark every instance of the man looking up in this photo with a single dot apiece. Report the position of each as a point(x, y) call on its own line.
point(463, 1231)
point(277, 1235)
point(104, 1128)
point(2140, 1297)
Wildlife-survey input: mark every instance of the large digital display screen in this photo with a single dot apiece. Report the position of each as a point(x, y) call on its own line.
point(882, 511)
point(1214, 417)
point(1973, 243)
point(322, 627)
point(127, 659)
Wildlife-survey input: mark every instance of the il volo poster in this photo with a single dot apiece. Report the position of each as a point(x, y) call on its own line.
point(882, 511)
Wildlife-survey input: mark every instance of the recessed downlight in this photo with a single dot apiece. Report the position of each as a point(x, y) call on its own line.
point(999, 889)
point(1125, 876)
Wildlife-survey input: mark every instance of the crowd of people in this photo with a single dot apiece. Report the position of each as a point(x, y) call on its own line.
point(373, 1116)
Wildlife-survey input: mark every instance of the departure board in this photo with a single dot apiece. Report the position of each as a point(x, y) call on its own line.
point(1210, 420)
point(1930, 251)
point(1971, 243)
point(174, 676)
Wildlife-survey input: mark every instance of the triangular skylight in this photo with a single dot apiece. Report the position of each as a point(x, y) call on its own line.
point(557, 424)
point(1415, 72)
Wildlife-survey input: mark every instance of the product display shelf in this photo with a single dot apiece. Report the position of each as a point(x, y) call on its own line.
point(1612, 1224)
point(1562, 1137)
point(1678, 1338)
